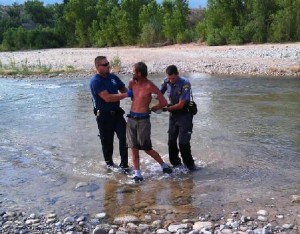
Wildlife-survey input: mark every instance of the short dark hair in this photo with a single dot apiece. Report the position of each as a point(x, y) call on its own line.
point(99, 58)
point(172, 69)
point(142, 68)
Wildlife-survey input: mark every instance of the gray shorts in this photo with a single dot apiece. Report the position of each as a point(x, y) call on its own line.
point(138, 134)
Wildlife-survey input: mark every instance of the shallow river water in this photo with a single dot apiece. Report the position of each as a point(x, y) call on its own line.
point(246, 141)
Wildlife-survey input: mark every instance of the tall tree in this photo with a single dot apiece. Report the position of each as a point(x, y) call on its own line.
point(180, 15)
point(150, 20)
point(10, 17)
point(261, 19)
point(60, 25)
point(169, 28)
point(38, 13)
point(285, 24)
point(132, 7)
point(110, 33)
point(100, 30)
point(80, 15)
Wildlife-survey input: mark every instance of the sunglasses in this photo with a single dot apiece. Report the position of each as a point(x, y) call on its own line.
point(104, 64)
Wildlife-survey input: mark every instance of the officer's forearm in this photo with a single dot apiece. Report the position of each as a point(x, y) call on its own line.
point(123, 90)
point(115, 97)
point(178, 106)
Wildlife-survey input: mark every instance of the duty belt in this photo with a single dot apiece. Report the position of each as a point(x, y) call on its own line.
point(112, 113)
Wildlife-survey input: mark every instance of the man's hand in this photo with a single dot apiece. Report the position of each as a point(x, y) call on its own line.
point(129, 93)
point(155, 110)
point(166, 108)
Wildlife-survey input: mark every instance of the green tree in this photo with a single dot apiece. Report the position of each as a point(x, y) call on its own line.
point(148, 35)
point(110, 34)
point(10, 17)
point(285, 24)
point(21, 38)
point(180, 14)
point(61, 27)
point(225, 21)
point(260, 15)
point(79, 15)
point(38, 13)
point(98, 30)
point(150, 20)
point(124, 27)
point(132, 29)
point(169, 27)
point(216, 22)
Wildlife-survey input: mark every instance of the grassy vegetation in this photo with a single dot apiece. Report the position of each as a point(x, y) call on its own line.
point(37, 69)
point(295, 69)
point(116, 64)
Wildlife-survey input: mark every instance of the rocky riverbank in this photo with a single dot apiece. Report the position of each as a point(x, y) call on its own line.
point(254, 60)
point(158, 221)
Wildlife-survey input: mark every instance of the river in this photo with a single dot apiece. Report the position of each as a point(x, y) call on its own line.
point(246, 141)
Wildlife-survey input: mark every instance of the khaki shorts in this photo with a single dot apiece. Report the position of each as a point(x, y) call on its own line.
point(138, 134)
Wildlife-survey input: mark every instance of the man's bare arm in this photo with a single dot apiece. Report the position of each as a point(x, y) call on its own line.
point(162, 102)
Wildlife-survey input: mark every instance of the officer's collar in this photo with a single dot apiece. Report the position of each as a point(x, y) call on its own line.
point(101, 77)
point(176, 82)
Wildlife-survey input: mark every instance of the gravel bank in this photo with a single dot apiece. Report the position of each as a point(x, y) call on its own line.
point(158, 221)
point(254, 60)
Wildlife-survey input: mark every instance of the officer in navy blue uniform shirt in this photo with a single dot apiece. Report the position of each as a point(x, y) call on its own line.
point(181, 120)
point(107, 90)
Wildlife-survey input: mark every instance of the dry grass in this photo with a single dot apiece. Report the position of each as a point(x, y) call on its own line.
point(295, 69)
point(277, 70)
point(38, 69)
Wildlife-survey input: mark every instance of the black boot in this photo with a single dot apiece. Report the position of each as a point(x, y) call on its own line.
point(186, 155)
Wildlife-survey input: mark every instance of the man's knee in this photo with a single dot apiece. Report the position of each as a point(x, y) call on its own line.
point(148, 150)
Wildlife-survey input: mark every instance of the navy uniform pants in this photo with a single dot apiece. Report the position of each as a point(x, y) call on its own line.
point(110, 123)
point(180, 128)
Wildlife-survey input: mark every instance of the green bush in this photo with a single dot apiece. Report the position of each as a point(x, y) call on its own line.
point(215, 37)
point(236, 36)
point(201, 31)
point(186, 36)
point(148, 35)
point(20, 38)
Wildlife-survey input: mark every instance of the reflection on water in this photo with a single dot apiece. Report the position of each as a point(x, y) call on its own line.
point(245, 138)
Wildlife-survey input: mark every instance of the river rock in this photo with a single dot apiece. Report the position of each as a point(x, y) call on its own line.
point(200, 225)
point(162, 231)
point(176, 227)
point(126, 219)
point(262, 218)
point(295, 199)
point(100, 215)
point(263, 213)
point(99, 230)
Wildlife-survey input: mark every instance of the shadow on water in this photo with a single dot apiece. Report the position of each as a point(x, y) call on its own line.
point(245, 141)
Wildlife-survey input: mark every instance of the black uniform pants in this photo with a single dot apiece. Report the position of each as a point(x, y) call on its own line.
point(110, 123)
point(180, 128)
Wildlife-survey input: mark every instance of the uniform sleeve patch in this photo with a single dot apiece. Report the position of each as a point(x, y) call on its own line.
point(186, 87)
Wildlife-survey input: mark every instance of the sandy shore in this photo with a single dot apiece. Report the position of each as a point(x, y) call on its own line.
point(265, 59)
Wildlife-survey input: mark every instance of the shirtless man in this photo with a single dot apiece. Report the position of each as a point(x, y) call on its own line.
point(138, 129)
